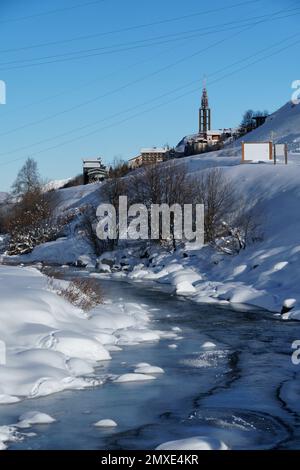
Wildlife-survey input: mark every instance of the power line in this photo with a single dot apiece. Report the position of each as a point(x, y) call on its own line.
point(51, 12)
point(135, 64)
point(142, 43)
point(121, 88)
point(159, 97)
point(128, 28)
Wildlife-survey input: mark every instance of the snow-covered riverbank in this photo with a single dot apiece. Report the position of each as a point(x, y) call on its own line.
point(49, 345)
point(264, 275)
point(228, 378)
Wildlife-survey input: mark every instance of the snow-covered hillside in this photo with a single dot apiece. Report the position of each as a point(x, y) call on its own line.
point(74, 246)
point(283, 126)
point(55, 184)
point(265, 275)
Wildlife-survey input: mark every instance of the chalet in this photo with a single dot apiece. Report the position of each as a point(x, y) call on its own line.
point(93, 171)
point(149, 156)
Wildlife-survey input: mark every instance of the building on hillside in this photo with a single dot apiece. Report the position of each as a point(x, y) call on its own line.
point(206, 139)
point(260, 120)
point(149, 156)
point(93, 170)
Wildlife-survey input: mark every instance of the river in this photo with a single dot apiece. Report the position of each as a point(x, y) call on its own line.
point(245, 391)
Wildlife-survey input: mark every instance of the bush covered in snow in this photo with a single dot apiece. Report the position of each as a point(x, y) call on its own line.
point(31, 222)
point(83, 293)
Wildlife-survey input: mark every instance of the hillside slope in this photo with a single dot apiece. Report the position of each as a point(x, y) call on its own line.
point(266, 274)
point(283, 126)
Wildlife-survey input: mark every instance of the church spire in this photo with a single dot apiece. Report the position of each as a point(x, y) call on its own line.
point(204, 101)
point(205, 112)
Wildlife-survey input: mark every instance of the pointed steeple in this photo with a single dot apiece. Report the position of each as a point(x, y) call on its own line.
point(204, 101)
point(205, 112)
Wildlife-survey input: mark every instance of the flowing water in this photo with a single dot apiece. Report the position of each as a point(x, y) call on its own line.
point(246, 391)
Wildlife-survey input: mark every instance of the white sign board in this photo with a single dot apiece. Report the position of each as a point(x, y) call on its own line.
point(257, 152)
point(281, 153)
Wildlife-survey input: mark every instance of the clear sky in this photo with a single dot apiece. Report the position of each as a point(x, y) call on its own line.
point(104, 78)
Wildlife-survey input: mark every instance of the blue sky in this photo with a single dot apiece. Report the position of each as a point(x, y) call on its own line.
point(105, 78)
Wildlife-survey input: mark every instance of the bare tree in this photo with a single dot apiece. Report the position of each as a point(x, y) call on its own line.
point(28, 178)
point(111, 191)
point(219, 196)
point(159, 184)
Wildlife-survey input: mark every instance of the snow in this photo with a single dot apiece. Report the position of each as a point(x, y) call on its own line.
point(34, 417)
point(106, 423)
point(284, 124)
point(134, 378)
point(11, 433)
point(264, 276)
point(8, 434)
point(208, 345)
point(53, 346)
point(145, 368)
point(71, 248)
point(194, 443)
point(56, 184)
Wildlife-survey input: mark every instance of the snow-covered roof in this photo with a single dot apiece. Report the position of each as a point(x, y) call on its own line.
point(217, 132)
point(154, 150)
point(92, 163)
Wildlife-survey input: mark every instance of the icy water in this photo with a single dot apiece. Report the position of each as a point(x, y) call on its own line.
point(245, 392)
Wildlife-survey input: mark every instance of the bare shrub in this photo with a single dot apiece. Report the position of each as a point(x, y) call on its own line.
point(219, 197)
point(231, 224)
point(162, 184)
point(244, 229)
point(88, 224)
point(85, 294)
point(30, 221)
point(110, 191)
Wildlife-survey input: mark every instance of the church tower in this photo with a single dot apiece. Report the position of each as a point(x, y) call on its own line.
point(204, 113)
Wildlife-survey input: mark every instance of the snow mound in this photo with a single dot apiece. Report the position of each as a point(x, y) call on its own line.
point(106, 423)
point(34, 417)
point(134, 378)
point(208, 345)
point(144, 368)
point(8, 434)
point(194, 443)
